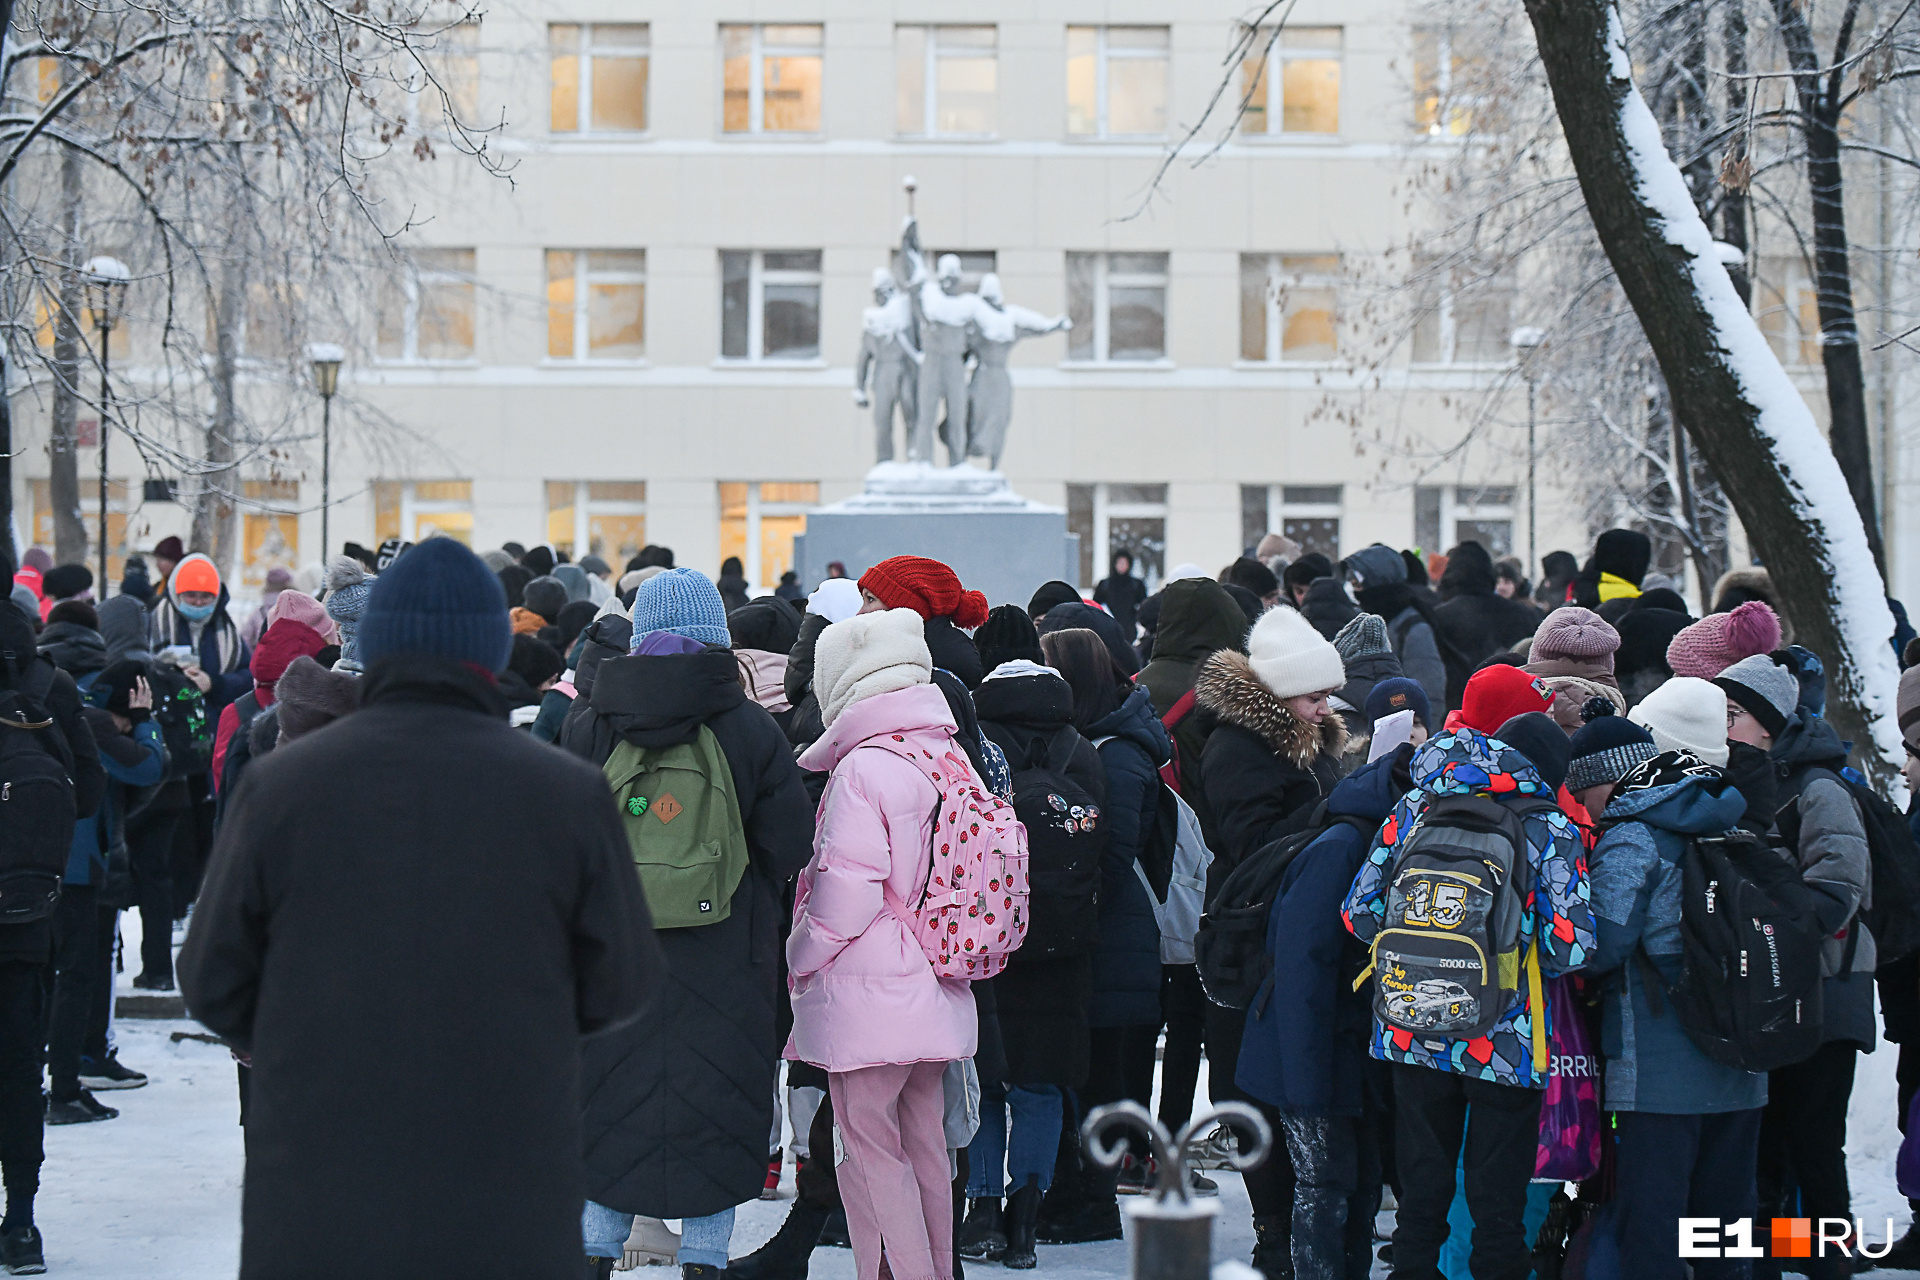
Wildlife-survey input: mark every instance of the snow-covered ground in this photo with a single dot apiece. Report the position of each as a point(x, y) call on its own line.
point(156, 1193)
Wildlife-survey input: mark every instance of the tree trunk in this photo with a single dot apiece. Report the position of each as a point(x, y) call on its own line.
point(12, 548)
point(1833, 273)
point(212, 531)
point(1733, 196)
point(63, 477)
point(1743, 413)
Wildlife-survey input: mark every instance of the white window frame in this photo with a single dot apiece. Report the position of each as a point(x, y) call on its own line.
point(583, 277)
point(1453, 510)
point(758, 278)
point(1105, 511)
point(757, 57)
point(412, 508)
point(1445, 101)
point(1277, 54)
point(750, 562)
point(583, 120)
point(1278, 278)
point(1279, 510)
point(930, 78)
point(423, 107)
point(1105, 279)
point(1102, 53)
point(411, 279)
point(1447, 352)
point(585, 508)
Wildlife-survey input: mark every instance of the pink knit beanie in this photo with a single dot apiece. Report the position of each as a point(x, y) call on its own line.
point(1719, 640)
point(1573, 632)
point(298, 606)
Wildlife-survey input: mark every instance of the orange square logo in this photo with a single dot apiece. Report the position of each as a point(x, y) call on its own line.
point(666, 808)
point(1793, 1237)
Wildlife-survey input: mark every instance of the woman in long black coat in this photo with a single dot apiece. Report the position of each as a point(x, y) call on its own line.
point(679, 1103)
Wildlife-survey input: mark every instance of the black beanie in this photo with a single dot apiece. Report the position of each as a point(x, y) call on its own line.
point(1544, 743)
point(535, 661)
point(112, 687)
point(1007, 634)
point(515, 578)
point(64, 581)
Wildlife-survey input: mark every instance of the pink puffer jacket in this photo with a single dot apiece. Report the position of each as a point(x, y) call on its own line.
point(863, 992)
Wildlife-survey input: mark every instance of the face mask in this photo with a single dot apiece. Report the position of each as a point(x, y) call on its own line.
point(199, 613)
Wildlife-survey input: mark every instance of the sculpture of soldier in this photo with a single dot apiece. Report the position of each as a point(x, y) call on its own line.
point(996, 327)
point(888, 372)
point(944, 313)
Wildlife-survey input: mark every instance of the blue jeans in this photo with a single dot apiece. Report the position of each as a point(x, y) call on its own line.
point(1031, 1149)
point(703, 1241)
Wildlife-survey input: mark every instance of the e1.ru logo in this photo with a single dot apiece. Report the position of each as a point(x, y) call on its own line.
point(1787, 1238)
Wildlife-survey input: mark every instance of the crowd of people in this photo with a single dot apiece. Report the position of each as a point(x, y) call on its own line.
point(611, 890)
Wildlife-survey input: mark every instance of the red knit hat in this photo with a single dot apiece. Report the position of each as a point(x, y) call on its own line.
point(1496, 695)
point(927, 587)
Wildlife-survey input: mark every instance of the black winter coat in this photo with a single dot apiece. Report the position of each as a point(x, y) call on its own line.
point(1476, 621)
point(1042, 1005)
point(805, 728)
point(1197, 618)
point(679, 1103)
point(411, 946)
point(1328, 606)
point(606, 638)
point(1263, 766)
point(1123, 594)
point(1126, 959)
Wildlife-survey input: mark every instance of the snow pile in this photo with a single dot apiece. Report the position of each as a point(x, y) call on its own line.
point(1801, 454)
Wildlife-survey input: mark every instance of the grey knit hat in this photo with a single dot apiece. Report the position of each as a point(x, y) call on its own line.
point(1767, 690)
point(348, 585)
point(1362, 637)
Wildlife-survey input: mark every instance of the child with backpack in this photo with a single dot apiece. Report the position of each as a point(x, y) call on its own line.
point(1686, 1127)
point(1803, 1133)
point(1472, 894)
point(868, 1005)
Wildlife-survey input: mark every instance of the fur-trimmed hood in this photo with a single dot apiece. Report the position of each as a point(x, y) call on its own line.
point(1227, 687)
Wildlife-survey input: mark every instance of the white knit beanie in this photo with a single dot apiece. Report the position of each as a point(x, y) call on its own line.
point(1290, 657)
point(868, 654)
point(1686, 714)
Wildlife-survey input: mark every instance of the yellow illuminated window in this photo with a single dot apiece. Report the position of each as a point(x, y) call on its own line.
point(596, 304)
point(771, 78)
point(758, 523)
point(427, 312)
point(1117, 82)
point(606, 518)
point(599, 77)
point(414, 510)
point(1304, 97)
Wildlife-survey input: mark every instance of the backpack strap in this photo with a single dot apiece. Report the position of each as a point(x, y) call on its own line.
point(1178, 711)
point(1070, 738)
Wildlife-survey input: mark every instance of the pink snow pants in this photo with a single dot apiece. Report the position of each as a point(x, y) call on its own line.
point(894, 1180)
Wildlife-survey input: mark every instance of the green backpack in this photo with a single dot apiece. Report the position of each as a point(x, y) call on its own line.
point(683, 825)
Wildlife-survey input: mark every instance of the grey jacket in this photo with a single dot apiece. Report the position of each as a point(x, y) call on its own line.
point(1419, 654)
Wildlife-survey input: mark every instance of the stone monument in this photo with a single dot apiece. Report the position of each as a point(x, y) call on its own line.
point(918, 346)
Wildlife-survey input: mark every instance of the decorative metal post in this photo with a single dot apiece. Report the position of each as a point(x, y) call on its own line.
point(1171, 1233)
point(106, 281)
point(325, 358)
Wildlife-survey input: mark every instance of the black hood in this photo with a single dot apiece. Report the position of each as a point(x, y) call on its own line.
point(1197, 617)
point(1808, 740)
point(658, 700)
point(953, 651)
point(1031, 701)
point(606, 638)
point(1469, 572)
point(769, 624)
point(1135, 721)
point(1328, 607)
point(74, 648)
point(1062, 617)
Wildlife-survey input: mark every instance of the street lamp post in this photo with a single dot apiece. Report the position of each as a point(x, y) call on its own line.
point(326, 358)
point(1526, 340)
point(106, 281)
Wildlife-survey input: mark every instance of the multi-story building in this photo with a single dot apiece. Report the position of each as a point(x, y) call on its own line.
point(649, 334)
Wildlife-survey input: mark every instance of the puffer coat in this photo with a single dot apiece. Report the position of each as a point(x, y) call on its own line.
point(1133, 744)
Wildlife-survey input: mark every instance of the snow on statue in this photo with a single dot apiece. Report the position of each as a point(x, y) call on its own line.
point(888, 360)
point(996, 327)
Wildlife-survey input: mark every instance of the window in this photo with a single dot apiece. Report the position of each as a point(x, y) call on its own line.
point(1111, 518)
point(771, 79)
point(415, 510)
point(117, 508)
point(1446, 515)
point(270, 529)
point(596, 304)
point(450, 75)
point(1444, 98)
point(758, 523)
point(599, 77)
point(770, 304)
point(1305, 96)
point(605, 518)
point(1472, 323)
point(1117, 82)
point(1288, 306)
point(426, 311)
point(1787, 305)
point(1118, 302)
point(1309, 514)
point(947, 81)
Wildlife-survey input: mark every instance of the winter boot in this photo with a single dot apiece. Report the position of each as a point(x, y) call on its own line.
point(21, 1252)
point(785, 1256)
point(599, 1268)
point(1905, 1254)
point(1021, 1221)
point(651, 1243)
point(983, 1235)
point(1273, 1246)
point(834, 1234)
point(1088, 1212)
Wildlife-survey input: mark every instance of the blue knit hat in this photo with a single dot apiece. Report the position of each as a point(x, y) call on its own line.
point(1605, 749)
point(1398, 694)
point(441, 599)
point(684, 602)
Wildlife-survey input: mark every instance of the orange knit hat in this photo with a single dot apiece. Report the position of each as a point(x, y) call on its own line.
point(196, 574)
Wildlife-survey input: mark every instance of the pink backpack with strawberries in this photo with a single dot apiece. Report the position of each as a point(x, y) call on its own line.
point(972, 912)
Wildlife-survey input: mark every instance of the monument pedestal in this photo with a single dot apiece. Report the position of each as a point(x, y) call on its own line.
point(999, 543)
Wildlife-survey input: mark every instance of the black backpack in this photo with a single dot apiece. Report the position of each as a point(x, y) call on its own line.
point(37, 809)
point(180, 709)
point(1230, 949)
point(1749, 989)
point(1894, 914)
point(1066, 836)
